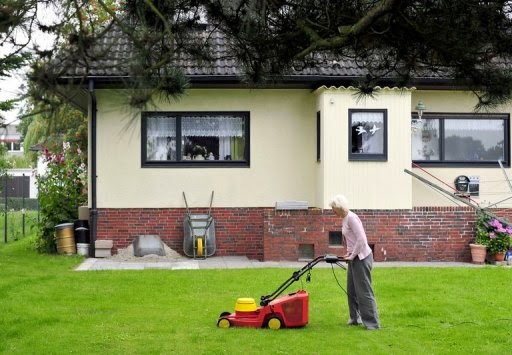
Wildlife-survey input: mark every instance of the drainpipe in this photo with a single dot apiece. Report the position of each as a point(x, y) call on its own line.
point(94, 211)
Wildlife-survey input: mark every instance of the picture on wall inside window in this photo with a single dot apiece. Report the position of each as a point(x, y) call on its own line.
point(368, 134)
point(198, 137)
point(425, 140)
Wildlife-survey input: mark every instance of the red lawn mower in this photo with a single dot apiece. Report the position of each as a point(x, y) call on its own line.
point(274, 312)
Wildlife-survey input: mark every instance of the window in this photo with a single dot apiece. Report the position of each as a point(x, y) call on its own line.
point(195, 138)
point(13, 146)
point(368, 135)
point(335, 238)
point(461, 139)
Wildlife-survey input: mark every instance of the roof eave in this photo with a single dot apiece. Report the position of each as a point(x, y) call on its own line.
point(288, 81)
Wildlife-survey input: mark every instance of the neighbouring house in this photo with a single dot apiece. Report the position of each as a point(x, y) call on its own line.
point(275, 155)
point(11, 138)
point(20, 182)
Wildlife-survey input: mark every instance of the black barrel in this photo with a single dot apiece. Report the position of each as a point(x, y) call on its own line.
point(81, 231)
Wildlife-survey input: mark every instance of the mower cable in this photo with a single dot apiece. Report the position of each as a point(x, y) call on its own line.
point(338, 282)
point(336, 278)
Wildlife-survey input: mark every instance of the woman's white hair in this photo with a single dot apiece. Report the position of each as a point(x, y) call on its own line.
point(339, 201)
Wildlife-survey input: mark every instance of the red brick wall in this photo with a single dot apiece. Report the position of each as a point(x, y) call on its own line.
point(238, 231)
point(420, 234)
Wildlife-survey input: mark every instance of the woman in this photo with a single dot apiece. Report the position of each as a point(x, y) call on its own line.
point(361, 299)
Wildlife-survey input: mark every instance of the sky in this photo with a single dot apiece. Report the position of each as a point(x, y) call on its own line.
point(10, 86)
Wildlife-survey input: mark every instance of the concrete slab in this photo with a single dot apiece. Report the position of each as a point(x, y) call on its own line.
point(184, 265)
point(240, 262)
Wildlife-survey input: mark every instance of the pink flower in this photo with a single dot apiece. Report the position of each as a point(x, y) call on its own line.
point(495, 223)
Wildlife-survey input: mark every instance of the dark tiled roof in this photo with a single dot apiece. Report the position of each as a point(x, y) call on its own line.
point(114, 48)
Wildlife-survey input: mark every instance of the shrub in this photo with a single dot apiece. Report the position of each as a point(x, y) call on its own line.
point(62, 189)
point(492, 233)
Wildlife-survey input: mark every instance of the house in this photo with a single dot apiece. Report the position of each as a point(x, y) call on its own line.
point(19, 182)
point(11, 138)
point(274, 156)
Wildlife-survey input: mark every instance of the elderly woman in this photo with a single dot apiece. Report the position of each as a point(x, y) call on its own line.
point(361, 299)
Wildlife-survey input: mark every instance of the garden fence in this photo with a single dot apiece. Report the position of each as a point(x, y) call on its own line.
point(19, 212)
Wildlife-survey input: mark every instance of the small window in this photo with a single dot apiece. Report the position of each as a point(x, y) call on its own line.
point(306, 251)
point(368, 135)
point(459, 139)
point(195, 138)
point(335, 238)
point(16, 146)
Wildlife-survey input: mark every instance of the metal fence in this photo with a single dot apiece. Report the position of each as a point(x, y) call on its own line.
point(19, 211)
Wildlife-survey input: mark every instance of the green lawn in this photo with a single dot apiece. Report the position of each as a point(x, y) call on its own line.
point(47, 308)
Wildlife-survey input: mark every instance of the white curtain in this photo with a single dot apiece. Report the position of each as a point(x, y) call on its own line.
point(212, 126)
point(371, 131)
point(158, 129)
point(474, 125)
point(161, 126)
point(370, 118)
point(224, 147)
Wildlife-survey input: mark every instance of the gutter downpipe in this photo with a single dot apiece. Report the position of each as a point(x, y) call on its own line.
point(94, 211)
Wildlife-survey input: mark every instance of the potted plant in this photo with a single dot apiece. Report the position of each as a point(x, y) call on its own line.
point(499, 239)
point(482, 239)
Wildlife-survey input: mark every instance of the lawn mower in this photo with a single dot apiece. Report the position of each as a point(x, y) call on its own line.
point(274, 312)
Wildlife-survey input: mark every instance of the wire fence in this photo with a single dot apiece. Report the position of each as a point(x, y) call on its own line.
point(19, 208)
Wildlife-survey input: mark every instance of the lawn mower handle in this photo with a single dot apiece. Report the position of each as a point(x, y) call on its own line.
point(328, 258)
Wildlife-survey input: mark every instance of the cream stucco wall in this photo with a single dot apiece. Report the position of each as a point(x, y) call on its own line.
point(493, 184)
point(283, 153)
point(282, 146)
point(367, 184)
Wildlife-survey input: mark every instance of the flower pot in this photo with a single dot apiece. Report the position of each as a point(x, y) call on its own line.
point(478, 253)
point(499, 257)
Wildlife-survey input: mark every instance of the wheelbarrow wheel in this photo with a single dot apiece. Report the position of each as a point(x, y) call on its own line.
point(199, 246)
point(274, 323)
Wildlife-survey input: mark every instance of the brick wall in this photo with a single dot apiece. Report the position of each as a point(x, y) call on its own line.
point(419, 234)
point(238, 231)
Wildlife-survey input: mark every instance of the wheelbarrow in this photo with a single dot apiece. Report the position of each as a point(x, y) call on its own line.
point(199, 233)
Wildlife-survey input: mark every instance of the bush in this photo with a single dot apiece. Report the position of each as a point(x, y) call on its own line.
point(492, 233)
point(61, 191)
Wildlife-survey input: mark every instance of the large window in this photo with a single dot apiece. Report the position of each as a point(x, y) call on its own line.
point(461, 139)
point(195, 138)
point(368, 135)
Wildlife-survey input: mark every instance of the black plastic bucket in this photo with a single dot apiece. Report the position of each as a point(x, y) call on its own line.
point(82, 231)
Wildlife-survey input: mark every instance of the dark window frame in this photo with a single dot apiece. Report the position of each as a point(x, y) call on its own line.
point(466, 163)
point(179, 163)
point(368, 156)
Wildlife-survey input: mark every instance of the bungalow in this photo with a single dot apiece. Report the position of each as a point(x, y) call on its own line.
point(274, 156)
